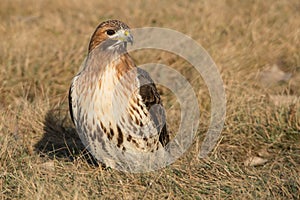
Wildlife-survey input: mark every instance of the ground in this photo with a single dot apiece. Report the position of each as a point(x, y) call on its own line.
point(255, 45)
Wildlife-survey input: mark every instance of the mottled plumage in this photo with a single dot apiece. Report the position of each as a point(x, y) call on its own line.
point(114, 105)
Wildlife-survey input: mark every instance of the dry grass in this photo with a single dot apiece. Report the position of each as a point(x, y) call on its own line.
point(44, 42)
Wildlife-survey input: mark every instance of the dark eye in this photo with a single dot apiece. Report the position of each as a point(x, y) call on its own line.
point(110, 32)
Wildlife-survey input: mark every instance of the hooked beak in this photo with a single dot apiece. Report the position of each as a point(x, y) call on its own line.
point(125, 36)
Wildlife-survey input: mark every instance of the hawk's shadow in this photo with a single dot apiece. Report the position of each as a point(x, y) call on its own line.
point(60, 140)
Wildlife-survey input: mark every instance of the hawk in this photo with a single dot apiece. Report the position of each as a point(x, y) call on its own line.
point(114, 105)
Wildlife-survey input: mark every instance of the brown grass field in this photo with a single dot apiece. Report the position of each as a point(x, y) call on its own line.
point(258, 156)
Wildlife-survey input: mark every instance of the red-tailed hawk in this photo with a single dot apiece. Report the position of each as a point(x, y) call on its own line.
point(115, 105)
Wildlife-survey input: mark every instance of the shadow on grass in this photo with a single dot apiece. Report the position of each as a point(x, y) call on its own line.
point(60, 140)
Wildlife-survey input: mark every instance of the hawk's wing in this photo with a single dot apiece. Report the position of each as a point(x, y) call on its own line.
point(70, 103)
point(153, 103)
point(72, 100)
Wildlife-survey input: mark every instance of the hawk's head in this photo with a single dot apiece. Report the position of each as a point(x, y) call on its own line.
point(111, 34)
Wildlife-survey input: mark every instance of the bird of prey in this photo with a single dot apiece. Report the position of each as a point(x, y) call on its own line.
point(114, 105)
